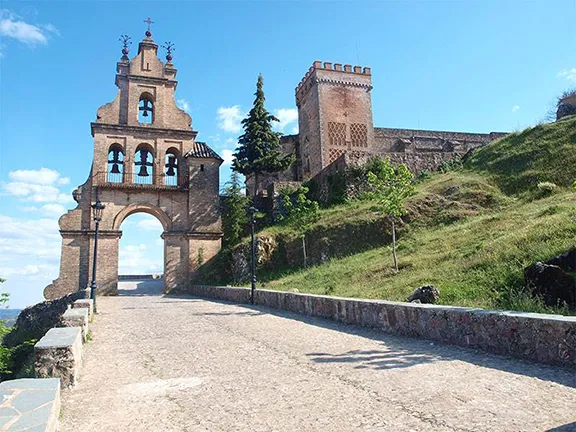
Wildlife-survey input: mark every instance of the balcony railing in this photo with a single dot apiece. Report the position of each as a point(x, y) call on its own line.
point(135, 181)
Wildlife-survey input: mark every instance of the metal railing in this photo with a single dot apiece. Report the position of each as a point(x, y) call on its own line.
point(130, 179)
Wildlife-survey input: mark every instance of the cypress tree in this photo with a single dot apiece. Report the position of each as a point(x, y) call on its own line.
point(234, 216)
point(259, 148)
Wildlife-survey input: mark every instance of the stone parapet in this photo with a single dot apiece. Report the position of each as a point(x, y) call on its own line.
point(542, 338)
point(30, 405)
point(77, 317)
point(59, 355)
point(86, 303)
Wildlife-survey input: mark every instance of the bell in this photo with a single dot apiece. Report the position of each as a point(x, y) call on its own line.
point(170, 171)
point(115, 169)
point(143, 171)
point(145, 114)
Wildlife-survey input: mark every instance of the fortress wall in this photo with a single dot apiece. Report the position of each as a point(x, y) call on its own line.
point(538, 337)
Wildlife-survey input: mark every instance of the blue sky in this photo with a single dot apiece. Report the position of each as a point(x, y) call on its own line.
point(464, 66)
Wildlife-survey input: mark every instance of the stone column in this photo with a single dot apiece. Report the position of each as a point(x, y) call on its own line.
point(107, 268)
point(176, 261)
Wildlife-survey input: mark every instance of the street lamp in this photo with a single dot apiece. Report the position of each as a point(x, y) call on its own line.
point(252, 212)
point(97, 210)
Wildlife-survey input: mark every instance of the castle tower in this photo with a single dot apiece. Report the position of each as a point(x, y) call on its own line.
point(146, 159)
point(334, 114)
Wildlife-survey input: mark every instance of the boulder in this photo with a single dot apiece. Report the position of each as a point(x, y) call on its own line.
point(552, 283)
point(566, 262)
point(425, 294)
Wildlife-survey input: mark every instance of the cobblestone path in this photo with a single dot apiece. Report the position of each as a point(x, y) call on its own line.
point(162, 363)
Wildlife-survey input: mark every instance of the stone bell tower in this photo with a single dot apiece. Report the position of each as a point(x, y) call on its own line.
point(146, 159)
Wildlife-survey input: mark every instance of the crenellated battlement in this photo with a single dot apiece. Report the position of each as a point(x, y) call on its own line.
point(332, 67)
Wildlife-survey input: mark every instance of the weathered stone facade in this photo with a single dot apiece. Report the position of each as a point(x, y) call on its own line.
point(335, 121)
point(146, 159)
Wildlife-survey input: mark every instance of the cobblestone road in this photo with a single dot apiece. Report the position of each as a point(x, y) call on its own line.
point(184, 364)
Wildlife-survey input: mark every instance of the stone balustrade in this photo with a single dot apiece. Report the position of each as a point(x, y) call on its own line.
point(59, 354)
point(77, 317)
point(85, 303)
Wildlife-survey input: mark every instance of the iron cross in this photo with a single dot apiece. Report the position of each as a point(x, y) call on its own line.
point(148, 21)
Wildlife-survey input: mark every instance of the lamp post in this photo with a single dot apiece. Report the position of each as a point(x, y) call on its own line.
point(252, 212)
point(97, 210)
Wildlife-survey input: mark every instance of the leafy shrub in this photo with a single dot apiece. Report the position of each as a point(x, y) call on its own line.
point(454, 164)
point(547, 188)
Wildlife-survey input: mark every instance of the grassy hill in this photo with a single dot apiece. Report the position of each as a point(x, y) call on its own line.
point(470, 232)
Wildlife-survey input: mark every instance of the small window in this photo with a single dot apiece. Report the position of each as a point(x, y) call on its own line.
point(146, 109)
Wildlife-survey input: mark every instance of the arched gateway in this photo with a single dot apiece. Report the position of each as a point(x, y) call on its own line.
point(146, 159)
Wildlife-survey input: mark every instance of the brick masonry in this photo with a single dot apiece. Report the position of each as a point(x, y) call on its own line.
point(335, 119)
point(187, 205)
point(538, 337)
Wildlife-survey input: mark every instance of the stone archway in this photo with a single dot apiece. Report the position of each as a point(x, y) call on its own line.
point(182, 193)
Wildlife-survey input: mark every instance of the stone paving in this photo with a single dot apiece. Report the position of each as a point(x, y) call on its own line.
point(30, 405)
point(166, 363)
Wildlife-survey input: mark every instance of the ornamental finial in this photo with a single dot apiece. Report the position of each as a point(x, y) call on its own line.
point(169, 47)
point(125, 39)
point(148, 21)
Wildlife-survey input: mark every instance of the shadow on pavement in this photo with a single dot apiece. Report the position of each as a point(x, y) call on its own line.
point(146, 287)
point(564, 428)
point(402, 352)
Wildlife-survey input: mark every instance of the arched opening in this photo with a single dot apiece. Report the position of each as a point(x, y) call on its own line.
point(141, 255)
point(115, 168)
point(171, 168)
point(146, 109)
point(144, 165)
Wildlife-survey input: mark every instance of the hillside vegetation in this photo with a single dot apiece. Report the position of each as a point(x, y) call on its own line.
point(471, 231)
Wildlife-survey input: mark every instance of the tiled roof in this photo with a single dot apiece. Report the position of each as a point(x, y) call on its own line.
point(201, 150)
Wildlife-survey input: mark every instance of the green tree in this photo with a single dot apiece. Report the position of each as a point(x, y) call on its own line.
point(299, 212)
point(390, 187)
point(234, 217)
point(259, 148)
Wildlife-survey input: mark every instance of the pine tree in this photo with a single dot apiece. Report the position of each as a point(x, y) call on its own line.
point(259, 146)
point(234, 217)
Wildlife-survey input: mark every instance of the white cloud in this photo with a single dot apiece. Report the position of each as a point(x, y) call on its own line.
point(13, 27)
point(228, 156)
point(149, 224)
point(43, 176)
point(39, 186)
point(294, 130)
point(230, 118)
point(22, 241)
point(515, 108)
point(287, 116)
point(183, 104)
point(53, 210)
point(569, 74)
point(134, 260)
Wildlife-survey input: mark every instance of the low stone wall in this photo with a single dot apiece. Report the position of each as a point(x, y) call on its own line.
point(539, 337)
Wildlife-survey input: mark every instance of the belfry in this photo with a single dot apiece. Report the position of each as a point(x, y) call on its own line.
point(146, 159)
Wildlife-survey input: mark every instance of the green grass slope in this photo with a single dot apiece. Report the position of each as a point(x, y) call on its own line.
point(517, 163)
point(469, 232)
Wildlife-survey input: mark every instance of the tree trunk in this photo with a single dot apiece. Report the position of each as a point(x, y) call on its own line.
point(394, 245)
point(304, 251)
